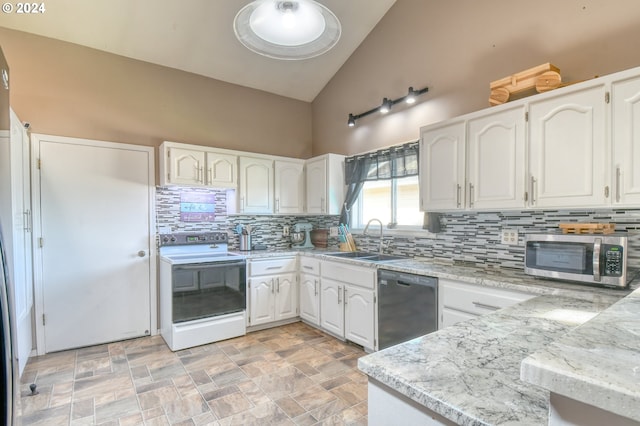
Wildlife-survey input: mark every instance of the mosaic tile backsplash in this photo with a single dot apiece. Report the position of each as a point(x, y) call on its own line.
point(466, 237)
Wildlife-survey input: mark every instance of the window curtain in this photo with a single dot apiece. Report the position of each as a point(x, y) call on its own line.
point(395, 162)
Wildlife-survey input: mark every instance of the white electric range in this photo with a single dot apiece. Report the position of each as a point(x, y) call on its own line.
point(202, 289)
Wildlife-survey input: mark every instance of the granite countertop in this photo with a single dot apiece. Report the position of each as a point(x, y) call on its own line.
point(470, 372)
point(597, 363)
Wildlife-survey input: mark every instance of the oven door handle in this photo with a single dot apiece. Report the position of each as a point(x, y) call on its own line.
point(596, 259)
point(220, 264)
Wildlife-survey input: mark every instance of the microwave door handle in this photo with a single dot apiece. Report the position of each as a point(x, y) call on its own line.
point(596, 259)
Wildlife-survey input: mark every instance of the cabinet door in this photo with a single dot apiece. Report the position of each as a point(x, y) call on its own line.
point(186, 166)
point(261, 302)
point(310, 298)
point(496, 164)
point(625, 120)
point(289, 187)
point(359, 311)
point(222, 170)
point(256, 185)
point(442, 160)
point(567, 142)
point(286, 297)
point(332, 306)
point(317, 186)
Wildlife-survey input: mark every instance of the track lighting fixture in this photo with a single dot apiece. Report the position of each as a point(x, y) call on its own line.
point(386, 105)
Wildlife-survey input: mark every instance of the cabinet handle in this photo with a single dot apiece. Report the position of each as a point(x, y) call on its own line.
point(482, 305)
point(278, 283)
point(470, 194)
point(196, 173)
point(277, 205)
point(27, 220)
point(533, 190)
point(307, 267)
point(315, 287)
point(458, 189)
point(272, 287)
point(345, 295)
point(339, 294)
point(242, 204)
point(322, 205)
point(618, 173)
point(210, 175)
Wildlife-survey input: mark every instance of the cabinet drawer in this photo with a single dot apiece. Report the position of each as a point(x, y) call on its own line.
point(272, 266)
point(309, 265)
point(364, 277)
point(477, 299)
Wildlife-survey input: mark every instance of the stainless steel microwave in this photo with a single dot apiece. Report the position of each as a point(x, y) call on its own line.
point(594, 259)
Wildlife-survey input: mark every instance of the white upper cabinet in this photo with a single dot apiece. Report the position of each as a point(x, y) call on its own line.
point(496, 162)
point(568, 149)
point(289, 186)
point(192, 165)
point(625, 122)
point(256, 185)
point(222, 170)
point(325, 184)
point(442, 167)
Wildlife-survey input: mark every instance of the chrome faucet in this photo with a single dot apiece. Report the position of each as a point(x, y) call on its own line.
point(366, 228)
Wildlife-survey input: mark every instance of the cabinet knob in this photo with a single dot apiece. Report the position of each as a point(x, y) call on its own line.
point(142, 253)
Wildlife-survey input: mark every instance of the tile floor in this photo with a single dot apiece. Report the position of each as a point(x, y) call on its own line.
point(289, 375)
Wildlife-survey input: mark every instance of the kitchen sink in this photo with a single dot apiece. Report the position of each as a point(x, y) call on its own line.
point(367, 256)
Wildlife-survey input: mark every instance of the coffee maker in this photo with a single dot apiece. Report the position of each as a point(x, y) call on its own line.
point(301, 235)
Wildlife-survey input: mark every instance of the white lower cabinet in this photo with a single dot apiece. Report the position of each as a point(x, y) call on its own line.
point(273, 290)
point(310, 290)
point(458, 301)
point(347, 302)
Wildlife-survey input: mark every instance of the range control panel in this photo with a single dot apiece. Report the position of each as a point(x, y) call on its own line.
point(613, 259)
point(188, 238)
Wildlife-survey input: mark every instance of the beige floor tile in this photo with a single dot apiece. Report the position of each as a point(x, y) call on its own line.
point(293, 374)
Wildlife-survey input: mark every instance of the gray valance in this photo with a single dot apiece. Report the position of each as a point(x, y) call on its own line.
point(394, 162)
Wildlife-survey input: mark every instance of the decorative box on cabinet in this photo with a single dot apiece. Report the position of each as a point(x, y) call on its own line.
point(273, 290)
point(325, 184)
point(182, 164)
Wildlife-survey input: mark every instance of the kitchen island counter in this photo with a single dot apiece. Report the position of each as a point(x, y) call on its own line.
point(469, 373)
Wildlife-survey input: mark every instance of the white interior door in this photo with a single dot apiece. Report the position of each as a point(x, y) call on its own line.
point(95, 212)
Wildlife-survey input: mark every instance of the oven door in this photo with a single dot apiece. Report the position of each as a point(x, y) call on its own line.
point(203, 290)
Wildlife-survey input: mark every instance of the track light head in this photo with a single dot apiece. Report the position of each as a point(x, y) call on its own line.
point(386, 106)
point(411, 96)
point(352, 121)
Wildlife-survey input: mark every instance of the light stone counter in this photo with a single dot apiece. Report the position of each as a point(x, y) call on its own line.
point(597, 363)
point(469, 373)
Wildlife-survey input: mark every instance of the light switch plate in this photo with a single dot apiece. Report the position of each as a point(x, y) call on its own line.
point(509, 237)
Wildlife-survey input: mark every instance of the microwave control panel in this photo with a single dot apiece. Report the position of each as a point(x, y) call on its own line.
point(613, 260)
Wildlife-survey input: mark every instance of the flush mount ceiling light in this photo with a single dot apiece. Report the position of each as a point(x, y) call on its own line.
point(290, 30)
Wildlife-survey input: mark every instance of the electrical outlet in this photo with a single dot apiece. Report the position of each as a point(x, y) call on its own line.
point(333, 231)
point(285, 231)
point(510, 237)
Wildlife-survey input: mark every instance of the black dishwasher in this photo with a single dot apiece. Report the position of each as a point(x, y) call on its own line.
point(407, 306)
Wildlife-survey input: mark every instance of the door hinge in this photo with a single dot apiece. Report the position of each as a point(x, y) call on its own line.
point(168, 177)
point(43, 321)
point(375, 299)
point(606, 191)
point(607, 97)
point(526, 116)
point(40, 242)
point(526, 196)
point(39, 164)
